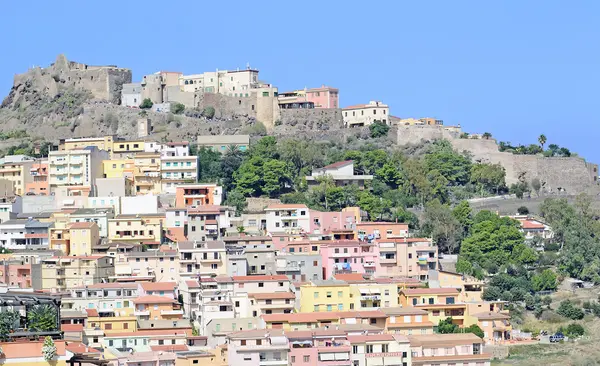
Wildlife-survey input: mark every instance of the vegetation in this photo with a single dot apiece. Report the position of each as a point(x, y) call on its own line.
point(523, 210)
point(49, 349)
point(177, 108)
point(570, 311)
point(41, 318)
point(9, 321)
point(146, 104)
point(209, 112)
point(446, 326)
point(545, 281)
point(379, 129)
point(534, 149)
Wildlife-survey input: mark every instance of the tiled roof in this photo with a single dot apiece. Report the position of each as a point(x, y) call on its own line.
point(285, 206)
point(430, 291)
point(91, 312)
point(274, 296)
point(442, 340)
point(158, 286)
point(529, 224)
point(170, 348)
point(259, 278)
point(82, 225)
point(339, 164)
point(491, 315)
point(371, 338)
point(152, 299)
point(71, 327)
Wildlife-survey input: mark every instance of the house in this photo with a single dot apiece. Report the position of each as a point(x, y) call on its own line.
point(251, 347)
point(220, 143)
point(176, 170)
point(407, 321)
point(408, 257)
point(39, 179)
point(146, 174)
point(194, 195)
point(322, 97)
point(288, 218)
point(437, 349)
point(61, 273)
point(24, 234)
point(16, 170)
point(154, 307)
point(342, 174)
point(202, 258)
point(348, 256)
point(366, 114)
point(380, 349)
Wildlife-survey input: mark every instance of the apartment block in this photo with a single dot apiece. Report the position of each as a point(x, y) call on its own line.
point(16, 169)
point(348, 256)
point(38, 183)
point(78, 239)
point(226, 82)
point(99, 216)
point(299, 267)
point(189, 195)
point(136, 229)
point(24, 234)
point(152, 265)
point(409, 257)
point(153, 307)
point(288, 218)
point(438, 349)
point(176, 170)
point(62, 273)
point(202, 258)
point(102, 143)
point(322, 97)
point(77, 170)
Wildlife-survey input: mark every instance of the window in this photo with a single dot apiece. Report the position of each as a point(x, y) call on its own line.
point(369, 348)
point(316, 308)
point(340, 307)
point(414, 302)
point(384, 348)
point(314, 248)
point(329, 308)
point(306, 359)
point(337, 250)
point(265, 94)
point(354, 349)
point(261, 284)
point(329, 294)
point(450, 300)
point(108, 326)
point(293, 359)
point(340, 294)
point(125, 325)
point(316, 295)
point(280, 283)
point(431, 301)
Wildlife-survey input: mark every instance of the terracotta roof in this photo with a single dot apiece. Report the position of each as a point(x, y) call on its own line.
point(411, 325)
point(403, 311)
point(81, 225)
point(529, 224)
point(339, 164)
point(186, 332)
point(370, 338)
point(71, 327)
point(36, 236)
point(429, 291)
point(158, 286)
point(491, 315)
point(356, 106)
point(442, 340)
point(350, 277)
point(259, 278)
point(210, 222)
point(110, 285)
point(91, 312)
point(427, 360)
point(170, 348)
point(192, 284)
point(274, 296)
point(361, 314)
point(79, 348)
point(299, 317)
point(204, 209)
point(24, 350)
point(153, 299)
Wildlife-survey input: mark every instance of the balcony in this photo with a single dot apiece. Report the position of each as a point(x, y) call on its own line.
point(372, 297)
point(288, 268)
point(397, 236)
point(272, 362)
point(142, 313)
point(387, 260)
point(171, 312)
point(369, 264)
point(277, 305)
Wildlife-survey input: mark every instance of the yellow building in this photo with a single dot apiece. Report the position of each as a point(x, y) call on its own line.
point(371, 296)
point(147, 173)
point(139, 229)
point(109, 323)
point(212, 357)
point(84, 236)
point(117, 168)
point(16, 170)
point(103, 143)
point(327, 295)
point(121, 149)
point(407, 321)
point(61, 273)
point(471, 289)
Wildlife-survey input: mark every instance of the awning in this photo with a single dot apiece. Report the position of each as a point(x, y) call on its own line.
point(327, 357)
point(278, 341)
point(365, 291)
point(342, 356)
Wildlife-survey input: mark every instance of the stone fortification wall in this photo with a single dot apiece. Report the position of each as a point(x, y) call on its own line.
point(571, 174)
point(292, 121)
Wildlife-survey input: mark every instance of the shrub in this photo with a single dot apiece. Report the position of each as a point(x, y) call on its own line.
point(523, 210)
point(574, 330)
point(146, 104)
point(545, 281)
point(177, 108)
point(209, 112)
point(379, 129)
point(570, 311)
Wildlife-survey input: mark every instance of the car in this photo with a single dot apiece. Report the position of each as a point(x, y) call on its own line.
point(557, 337)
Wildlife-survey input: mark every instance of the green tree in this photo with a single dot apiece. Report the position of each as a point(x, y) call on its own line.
point(177, 108)
point(9, 321)
point(390, 175)
point(519, 189)
point(209, 112)
point(542, 140)
point(41, 318)
point(488, 177)
point(49, 349)
point(487, 135)
point(464, 215)
point(275, 177)
point(574, 330)
point(445, 326)
point(545, 281)
point(209, 165)
point(440, 224)
point(553, 149)
point(378, 129)
point(146, 103)
point(569, 310)
point(237, 200)
point(475, 329)
point(523, 210)
point(451, 165)
point(536, 185)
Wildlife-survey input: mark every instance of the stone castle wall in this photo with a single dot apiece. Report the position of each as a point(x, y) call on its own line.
point(572, 174)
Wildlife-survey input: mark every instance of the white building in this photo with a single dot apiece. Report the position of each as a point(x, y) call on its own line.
point(76, 169)
point(131, 95)
point(143, 204)
point(288, 218)
point(24, 234)
point(10, 207)
point(342, 174)
point(232, 83)
point(366, 114)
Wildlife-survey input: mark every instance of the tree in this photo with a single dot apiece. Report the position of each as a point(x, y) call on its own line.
point(41, 318)
point(536, 185)
point(177, 108)
point(49, 349)
point(209, 112)
point(451, 165)
point(390, 175)
point(445, 326)
point(9, 321)
point(237, 200)
point(542, 140)
point(564, 152)
point(378, 129)
point(519, 189)
point(475, 329)
point(574, 330)
point(146, 104)
point(487, 135)
point(553, 149)
point(489, 177)
point(523, 210)
point(570, 311)
point(545, 281)
point(464, 215)
point(440, 223)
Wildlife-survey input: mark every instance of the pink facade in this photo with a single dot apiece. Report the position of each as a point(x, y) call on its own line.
point(348, 256)
point(327, 222)
point(16, 274)
point(323, 97)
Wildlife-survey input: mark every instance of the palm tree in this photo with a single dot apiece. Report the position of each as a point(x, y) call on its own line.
point(41, 318)
point(542, 140)
point(241, 230)
point(487, 135)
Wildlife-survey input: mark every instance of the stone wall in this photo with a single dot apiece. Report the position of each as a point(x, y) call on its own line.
point(292, 121)
point(571, 174)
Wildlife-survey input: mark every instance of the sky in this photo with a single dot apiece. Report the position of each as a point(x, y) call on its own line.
point(513, 68)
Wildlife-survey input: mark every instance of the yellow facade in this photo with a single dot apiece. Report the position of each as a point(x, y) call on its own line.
point(471, 289)
point(218, 357)
point(102, 143)
point(83, 239)
point(121, 148)
point(117, 168)
point(61, 273)
point(325, 298)
point(135, 229)
point(114, 324)
point(18, 174)
point(147, 173)
point(371, 296)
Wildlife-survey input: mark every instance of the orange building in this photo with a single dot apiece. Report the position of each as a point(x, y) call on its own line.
point(189, 195)
point(381, 230)
point(157, 308)
point(39, 185)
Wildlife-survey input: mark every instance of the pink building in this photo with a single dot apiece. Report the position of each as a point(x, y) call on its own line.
point(323, 97)
point(348, 256)
point(166, 289)
point(16, 273)
point(327, 222)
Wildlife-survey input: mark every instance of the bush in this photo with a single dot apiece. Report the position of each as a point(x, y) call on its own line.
point(258, 129)
point(209, 112)
point(570, 311)
point(379, 129)
point(146, 104)
point(523, 210)
point(545, 281)
point(177, 108)
point(573, 330)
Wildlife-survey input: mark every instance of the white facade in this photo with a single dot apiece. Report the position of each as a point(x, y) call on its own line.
point(76, 167)
point(176, 170)
point(24, 234)
point(176, 217)
point(146, 204)
point(288, 218)
point(131, 95)
point(366, 114)
point(105, 202)
point(232, 83)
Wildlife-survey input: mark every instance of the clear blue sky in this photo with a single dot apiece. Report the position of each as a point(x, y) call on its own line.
point(513, 68)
